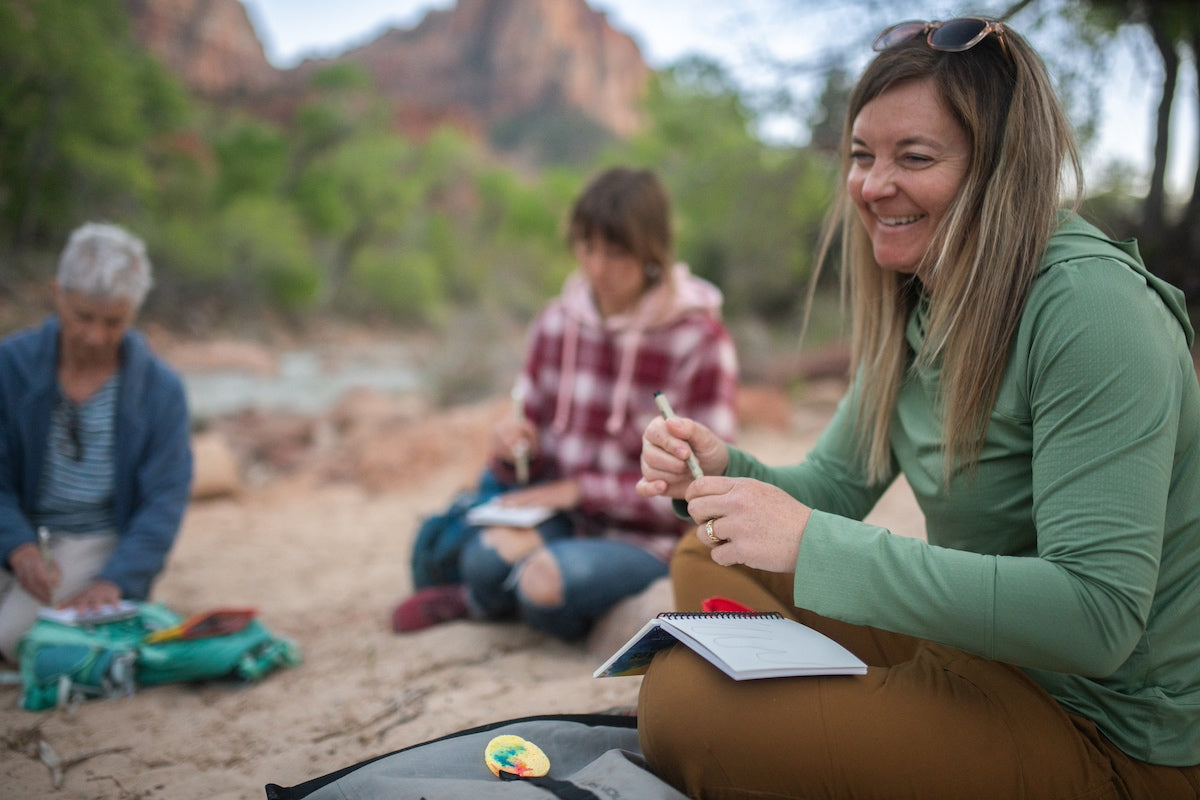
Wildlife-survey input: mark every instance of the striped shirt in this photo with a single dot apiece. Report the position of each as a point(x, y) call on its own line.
point(78, 476)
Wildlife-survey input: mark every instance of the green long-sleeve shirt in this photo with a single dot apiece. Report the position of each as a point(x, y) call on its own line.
point(1074, 549)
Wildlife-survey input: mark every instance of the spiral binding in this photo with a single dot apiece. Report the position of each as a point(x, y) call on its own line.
point(721, 614)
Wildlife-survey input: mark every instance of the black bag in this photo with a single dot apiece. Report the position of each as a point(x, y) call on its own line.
point(440, 537)
point(592, 757)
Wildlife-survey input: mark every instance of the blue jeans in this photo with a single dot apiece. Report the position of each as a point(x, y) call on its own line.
point(596, 575)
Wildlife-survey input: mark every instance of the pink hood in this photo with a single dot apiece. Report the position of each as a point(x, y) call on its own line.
point(683, 295)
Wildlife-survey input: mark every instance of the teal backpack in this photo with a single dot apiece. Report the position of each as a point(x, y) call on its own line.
point(61, 663)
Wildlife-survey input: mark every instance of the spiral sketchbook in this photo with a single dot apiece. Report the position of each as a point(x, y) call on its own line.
point(123, 609)
point(743, 645)
point(494, 512)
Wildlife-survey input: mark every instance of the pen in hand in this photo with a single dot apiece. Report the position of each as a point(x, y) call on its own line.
point(521, 450)
point(52, 573)
point(44, 545)
point(665, 407)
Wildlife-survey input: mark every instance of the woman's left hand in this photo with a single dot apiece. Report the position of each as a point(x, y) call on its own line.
point(100, 594)
point(752, 522)
point(563, 495)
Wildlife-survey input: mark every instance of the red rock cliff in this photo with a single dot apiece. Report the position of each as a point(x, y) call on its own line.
point(499, 58)
point(479, 63)
point(210, 44)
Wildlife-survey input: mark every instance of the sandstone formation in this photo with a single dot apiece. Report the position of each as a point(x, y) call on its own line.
point(210, 44)
point(494, 59)
point(478, 65)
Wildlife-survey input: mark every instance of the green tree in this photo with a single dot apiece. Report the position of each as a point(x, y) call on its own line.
point(253, 160)
point(368, 175)
point(747, 213)
point(341, 102)
point(83, 108)
point(263, 247)
point(1172, 246)
point(827, 121)
point(522, 257)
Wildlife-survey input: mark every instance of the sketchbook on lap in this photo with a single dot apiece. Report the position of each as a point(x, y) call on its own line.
point(494, 512)
point(742, 645)
point(124, 609)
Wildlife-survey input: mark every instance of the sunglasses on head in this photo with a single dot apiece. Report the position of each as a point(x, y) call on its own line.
point(953, 35)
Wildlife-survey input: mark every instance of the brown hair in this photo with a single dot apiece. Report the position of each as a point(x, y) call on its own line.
point(985, 254)
point(630, 209)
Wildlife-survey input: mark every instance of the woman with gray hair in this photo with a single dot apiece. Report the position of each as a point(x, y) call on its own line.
point(95, 446)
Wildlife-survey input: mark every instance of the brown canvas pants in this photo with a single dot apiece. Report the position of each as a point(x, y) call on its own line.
point(925, 722)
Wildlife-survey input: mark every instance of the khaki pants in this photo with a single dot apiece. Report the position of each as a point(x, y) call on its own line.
point(80, 557)
point(925, 722)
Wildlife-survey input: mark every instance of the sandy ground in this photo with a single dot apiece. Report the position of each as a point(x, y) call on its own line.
point(324, 560)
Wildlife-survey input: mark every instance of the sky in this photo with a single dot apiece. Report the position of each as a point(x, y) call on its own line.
point(740, 34)
point(664, 29)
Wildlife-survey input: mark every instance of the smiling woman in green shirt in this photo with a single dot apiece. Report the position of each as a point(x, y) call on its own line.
point(1033, 383)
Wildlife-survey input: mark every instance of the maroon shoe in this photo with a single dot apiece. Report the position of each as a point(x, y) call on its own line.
point(430, 606)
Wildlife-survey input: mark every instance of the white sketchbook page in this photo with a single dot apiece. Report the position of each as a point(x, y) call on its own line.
point(749, 647)
point(124, 609)
point(493, 513)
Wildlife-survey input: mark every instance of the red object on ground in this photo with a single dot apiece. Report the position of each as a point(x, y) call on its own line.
point(430, 606)
point(215, 622)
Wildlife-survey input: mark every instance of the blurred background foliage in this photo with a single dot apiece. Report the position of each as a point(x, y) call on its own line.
point(338, 215)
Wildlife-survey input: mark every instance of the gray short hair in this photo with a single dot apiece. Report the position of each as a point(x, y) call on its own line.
point(105, 262)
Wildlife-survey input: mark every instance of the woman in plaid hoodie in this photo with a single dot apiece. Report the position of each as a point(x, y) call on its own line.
point(629, 322)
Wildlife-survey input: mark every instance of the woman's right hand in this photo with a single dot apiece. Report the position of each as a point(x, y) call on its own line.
point(666, 445)
point(37, 576)
point(513, 439)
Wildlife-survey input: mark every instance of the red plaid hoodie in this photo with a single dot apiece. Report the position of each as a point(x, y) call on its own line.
point(589, 386)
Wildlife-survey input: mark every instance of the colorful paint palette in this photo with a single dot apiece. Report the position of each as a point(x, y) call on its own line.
point(510, 756)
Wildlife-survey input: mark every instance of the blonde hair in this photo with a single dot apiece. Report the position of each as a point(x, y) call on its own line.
point(984, 255)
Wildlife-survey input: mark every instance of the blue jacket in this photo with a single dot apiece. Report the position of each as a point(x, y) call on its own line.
point(153, 471)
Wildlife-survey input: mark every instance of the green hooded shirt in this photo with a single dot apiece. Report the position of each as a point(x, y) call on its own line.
point(1073, 550)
